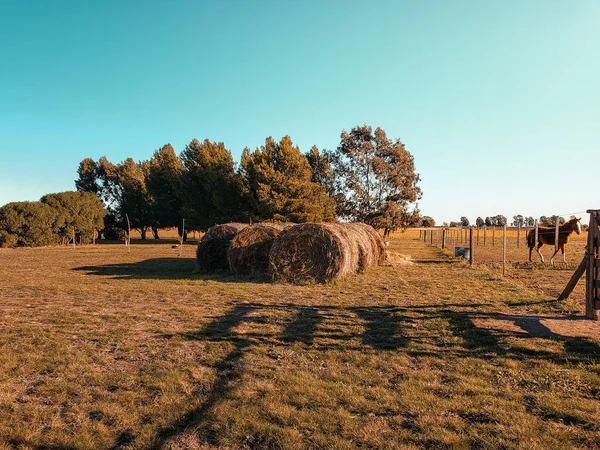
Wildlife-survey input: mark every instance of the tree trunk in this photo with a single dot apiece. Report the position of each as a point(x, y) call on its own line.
point(155, 232)
point(143, 233)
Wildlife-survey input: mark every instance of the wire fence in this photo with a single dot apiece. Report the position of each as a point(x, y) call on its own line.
point(506, 245)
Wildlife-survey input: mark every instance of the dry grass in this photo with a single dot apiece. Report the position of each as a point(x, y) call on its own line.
point(101, 349)
point(537, 276)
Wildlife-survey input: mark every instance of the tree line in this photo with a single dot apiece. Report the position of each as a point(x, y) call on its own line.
point(57, 218)
point(498, 221)
point(368, 178)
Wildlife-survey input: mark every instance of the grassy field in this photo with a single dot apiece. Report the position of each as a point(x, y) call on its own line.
point(104, 349)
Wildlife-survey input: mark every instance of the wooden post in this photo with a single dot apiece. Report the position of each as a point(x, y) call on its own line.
point(592, 285)
point(576, 276)
point(478, 236)
point(181, 239)
point(494, 236)
point(431, 237)
point(128, 241)
point(73, 237)
point(536, 235)
point(484, 234)
point(471, 246)
point(504, 251)
point(518, 234)
point(94, 237)
point(443, 238)
point(556, 233)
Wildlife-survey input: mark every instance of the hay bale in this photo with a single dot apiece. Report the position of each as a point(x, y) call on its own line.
point(371, 248)
point(313, 252)
point(212, 249)
point(249, 249)
point(377, 243)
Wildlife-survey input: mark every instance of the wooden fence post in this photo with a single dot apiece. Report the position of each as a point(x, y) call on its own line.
point(592, 285)
point(484, 234)
point(494, 236)
point(536, 235)
point(518, 234)
point(478, 236)
point(431, 236)
point(504, 251)
point(443, 238)
point(556, 233)
point(471, 246)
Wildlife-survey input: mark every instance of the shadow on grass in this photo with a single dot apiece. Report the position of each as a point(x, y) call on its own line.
point(162, 269)
point(382, 330)
point(228, 370)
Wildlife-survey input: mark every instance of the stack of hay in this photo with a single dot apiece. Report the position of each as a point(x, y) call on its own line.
point(321, 252)
point(213, 248)
point(310, 252)
point(250, 248)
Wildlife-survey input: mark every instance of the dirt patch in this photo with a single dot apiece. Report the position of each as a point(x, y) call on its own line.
point(540, 325)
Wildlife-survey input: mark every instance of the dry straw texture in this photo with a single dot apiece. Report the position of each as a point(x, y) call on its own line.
point(324, 252)
point(371, 248)
point(249, 250)
point(214, 246)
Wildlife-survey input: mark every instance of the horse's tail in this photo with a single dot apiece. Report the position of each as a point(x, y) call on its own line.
point(530, 239)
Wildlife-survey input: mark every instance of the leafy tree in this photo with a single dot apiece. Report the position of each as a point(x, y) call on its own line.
point(479, 222)
point(428, 222)
point(79, 211)
point(518, 220)
point(550, 221)
point(134, 200)
point(280, 185)
point(213, 191)
point(376, 182)
point(488, 222)
point(31, 223)
point(464, 221)
point(500, 220)
point(164, 182)
point(529, 221)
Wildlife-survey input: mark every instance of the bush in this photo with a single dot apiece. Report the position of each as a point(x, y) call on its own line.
point(33, 223)
point(7, 240)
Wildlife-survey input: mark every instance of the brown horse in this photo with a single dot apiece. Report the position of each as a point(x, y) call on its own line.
point(547, 235)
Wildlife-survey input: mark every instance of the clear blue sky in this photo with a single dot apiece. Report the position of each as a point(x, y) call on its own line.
point(499, 102)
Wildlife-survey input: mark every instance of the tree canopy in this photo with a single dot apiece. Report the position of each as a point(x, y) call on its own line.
point(376, 182)
point(280, 185)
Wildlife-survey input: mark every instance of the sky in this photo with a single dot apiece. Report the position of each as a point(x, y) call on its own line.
point(498, 102)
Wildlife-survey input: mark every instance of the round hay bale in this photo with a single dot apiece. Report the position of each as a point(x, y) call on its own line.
point(365, 244)
point(377, 243)
point(212, 249)
point(313, 252)
point(249, 249)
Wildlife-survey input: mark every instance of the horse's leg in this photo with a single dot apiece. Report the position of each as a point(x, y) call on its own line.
point(540, 253)
point(530, 250)
point(562, 247)
point(553, 255)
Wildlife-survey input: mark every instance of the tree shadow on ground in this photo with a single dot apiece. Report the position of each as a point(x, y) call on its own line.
point(382, 330)
point(162, 269)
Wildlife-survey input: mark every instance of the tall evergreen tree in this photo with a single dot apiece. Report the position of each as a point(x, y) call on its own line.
point(212, 190)
point(279, 182)
point(165, 183)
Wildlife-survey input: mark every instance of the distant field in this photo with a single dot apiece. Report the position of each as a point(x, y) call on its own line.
point(105, 349)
